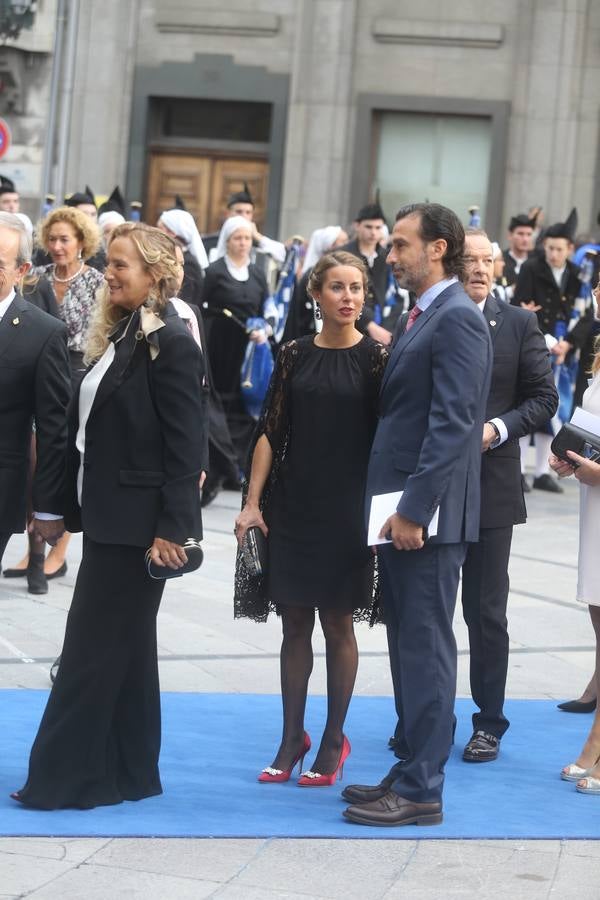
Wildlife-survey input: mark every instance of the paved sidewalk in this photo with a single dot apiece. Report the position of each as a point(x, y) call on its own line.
point(201, 648)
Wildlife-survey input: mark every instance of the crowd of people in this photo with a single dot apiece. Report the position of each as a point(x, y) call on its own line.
point(413, 368)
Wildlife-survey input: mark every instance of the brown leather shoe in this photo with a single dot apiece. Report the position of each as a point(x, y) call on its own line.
point(391, 809)
point(365, 793)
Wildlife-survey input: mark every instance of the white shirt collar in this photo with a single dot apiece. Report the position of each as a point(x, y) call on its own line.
point(427, 298)
point(481, 305)
point(4, 304)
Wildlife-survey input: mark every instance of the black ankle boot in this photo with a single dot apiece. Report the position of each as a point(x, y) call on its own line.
point(37, 583)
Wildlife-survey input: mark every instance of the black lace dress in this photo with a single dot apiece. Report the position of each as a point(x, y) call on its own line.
point(320, 416)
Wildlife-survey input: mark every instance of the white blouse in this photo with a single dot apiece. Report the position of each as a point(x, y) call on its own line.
point(87, 395)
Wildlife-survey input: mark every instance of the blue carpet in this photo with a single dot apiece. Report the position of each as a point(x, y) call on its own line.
point(215, 744)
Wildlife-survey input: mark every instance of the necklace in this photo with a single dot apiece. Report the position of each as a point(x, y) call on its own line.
point(70, 278)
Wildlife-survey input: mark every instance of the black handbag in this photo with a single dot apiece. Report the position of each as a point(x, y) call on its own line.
point(255, 551)
point(580, 441)
point(194, 553)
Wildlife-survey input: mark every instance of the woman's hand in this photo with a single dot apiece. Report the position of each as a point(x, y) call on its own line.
point(563, 469)
point(166, 553)
point(248, 518)
point(587, 472)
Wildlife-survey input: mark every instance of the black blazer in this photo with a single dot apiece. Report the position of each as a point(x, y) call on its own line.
point(34, 382)
point(41, 295)
point(145, 441)
point(536, 282)
point(523, 395)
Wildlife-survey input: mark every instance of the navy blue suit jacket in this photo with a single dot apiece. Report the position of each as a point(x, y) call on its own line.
point(432, 411)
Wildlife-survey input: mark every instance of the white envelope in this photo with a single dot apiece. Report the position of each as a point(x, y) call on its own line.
point(586, 420)
point(382, 507)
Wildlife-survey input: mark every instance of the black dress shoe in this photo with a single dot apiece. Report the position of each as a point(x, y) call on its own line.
point(391, 809)
point(547, 483)
point(15, 573)
point(37, 583)
point(365, 793)
point(577, 706)
point(525, 485)
point(482, 747)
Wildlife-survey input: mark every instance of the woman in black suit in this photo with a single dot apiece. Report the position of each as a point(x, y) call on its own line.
point(136, 441)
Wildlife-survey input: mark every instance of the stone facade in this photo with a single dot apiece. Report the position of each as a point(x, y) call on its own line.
point(536, 60)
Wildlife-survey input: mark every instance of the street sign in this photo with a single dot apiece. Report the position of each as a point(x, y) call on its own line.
point(5, 137)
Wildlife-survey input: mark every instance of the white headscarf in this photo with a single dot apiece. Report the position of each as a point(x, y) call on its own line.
point(234, 223)
point(112, 217)
point(320, 242)
point(182, 224)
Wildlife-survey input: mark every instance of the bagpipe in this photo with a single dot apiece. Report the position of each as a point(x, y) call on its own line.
point(279, 303)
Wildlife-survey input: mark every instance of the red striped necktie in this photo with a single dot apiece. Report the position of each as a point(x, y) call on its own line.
point(412, 317)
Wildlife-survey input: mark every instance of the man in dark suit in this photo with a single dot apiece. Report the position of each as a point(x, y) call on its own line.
point(34, 383)
point(428, 446)
point(522, 399)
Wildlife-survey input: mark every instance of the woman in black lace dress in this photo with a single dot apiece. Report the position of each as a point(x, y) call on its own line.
point(306, 491)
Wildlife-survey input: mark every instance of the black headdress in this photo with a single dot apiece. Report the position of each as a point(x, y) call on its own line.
point(565, 229)
point(115, 203)
point(241, 197)
point(7, 186)
point(521, 221)
point(81, 197)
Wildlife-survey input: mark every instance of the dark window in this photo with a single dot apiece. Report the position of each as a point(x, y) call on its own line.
point(216, 119)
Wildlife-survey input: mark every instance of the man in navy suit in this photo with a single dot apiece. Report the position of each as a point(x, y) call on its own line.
point(428, 445)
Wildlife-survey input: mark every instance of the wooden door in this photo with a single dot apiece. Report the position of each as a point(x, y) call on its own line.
point(228, 176)
point(204, 183)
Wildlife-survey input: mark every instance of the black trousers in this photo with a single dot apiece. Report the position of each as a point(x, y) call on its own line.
point(485, 586)
point(99, 739)
point(420, 589)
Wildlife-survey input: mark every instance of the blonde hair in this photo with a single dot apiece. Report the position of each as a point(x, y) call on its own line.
point(156, 251)
point(596, 360)
point(86, 230)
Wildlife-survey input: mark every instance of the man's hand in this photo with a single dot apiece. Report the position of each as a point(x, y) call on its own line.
point(49, 530)
point(534, 307)
point(167, 553)
point(379, 334)
point(489, 436)
point(405, 535)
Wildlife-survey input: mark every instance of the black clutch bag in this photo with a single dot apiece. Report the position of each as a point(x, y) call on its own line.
point(194, 553)
point(580, 441)
point(255, 551)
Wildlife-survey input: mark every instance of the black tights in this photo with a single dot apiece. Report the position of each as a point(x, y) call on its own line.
point(341, 655)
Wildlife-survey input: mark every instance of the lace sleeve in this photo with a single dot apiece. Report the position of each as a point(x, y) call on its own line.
point(250, 598)
point(378, 357)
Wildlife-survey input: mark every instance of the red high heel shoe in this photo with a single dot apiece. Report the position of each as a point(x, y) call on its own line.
point(314, 779)
point(276, 776)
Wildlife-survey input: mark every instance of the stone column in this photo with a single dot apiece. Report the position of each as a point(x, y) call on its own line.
point(317, 154)
point(102, 95)
point(546, 150)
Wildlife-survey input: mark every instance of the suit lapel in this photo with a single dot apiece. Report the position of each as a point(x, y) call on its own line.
point(127, 352)
point(494, 315)
point(12, 322)
point(405, 339)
